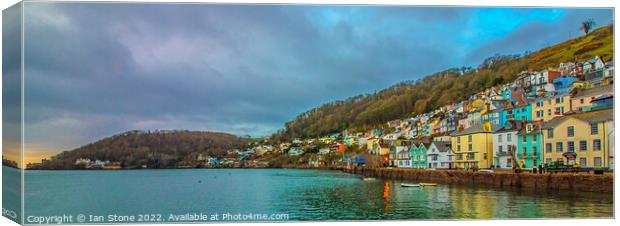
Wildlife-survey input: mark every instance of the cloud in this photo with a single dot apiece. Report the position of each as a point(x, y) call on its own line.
point(107, 68)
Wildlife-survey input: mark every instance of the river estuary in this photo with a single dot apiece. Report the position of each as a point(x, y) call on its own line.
point(299, 194)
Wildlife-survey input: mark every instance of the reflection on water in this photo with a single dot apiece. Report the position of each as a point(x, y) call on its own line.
point(303, 194)
point(386, 196)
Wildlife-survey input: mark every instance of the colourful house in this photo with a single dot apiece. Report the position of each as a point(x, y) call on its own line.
point(505, 144)
point(529, 145)
point(584, 98)
point(473, 147)
point(419, 158)
point(547, 108)
point(585, 136)
point(440, 155)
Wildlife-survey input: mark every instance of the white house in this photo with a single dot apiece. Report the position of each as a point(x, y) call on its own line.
point(505, 144)
point(440, 155)
point(403, 157)
point(593, 64)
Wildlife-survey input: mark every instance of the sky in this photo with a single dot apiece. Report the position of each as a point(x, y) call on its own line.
point(94, 70)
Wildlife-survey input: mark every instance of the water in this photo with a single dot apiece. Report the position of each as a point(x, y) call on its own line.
point(11, 193)
point(302, 194)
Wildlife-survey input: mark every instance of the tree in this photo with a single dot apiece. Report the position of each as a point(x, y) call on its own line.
point(587, 25)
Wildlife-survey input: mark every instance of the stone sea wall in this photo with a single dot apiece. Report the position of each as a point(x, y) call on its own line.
point(577, 182)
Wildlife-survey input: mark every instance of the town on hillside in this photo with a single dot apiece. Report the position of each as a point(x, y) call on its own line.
point(559, 119)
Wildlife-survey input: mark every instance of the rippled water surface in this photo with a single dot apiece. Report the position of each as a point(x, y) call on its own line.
point(302, 194)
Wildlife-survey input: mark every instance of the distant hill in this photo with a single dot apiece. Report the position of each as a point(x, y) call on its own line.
point(161, 149)
point(410, 98)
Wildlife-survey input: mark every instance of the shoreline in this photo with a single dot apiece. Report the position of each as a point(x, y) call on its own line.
point(574, 182)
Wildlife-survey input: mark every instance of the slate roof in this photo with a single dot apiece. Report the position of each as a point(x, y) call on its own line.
point(442, 146)
point(595, 91)
point(590, 116)
point(477, 128)
point(515, 125)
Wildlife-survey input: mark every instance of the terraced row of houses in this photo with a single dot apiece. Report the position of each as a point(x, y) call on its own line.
point(563, 114)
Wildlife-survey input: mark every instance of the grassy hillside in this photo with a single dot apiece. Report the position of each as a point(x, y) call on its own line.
point(598, 42)
point(154, 149)
point(411, 98)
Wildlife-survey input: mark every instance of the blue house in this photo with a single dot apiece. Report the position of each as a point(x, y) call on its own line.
point(529, 146)
point(563, 82)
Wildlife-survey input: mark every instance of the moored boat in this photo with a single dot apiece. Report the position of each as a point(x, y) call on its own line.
point(409, 185)
point(368, 178)
point(428, 184)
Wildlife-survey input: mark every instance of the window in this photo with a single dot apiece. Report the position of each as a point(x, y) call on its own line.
point(534, 152)
point(583, 161)
point(501, 149)
point(499, 138)
point(570, 131)
point(509, 137)
point(548, 148)
point(469, 138)
point(597, 161)
point(571, 146)
point(524, 151)
point(484, 156)
point(583, 145)
point(459, 156)
point(534, 137)
point(593, 128)
point(524, 138)
point(470, 156)
point(469, 147)
point(557, 100)
point(549, 112)
point(458, 140)
point(509, 162)
point(558, 147)
point(581, 101)
point(596, 145)
point(550, 133)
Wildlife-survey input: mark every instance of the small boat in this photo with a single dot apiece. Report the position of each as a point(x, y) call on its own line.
point(427, 184)
point(368, 178)
point(409, 185)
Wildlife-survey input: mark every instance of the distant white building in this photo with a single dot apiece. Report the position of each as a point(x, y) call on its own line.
point(442, 138)
point(84, 161)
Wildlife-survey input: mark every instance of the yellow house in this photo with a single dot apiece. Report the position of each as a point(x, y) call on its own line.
point(473, 146)
point(374, 146)
point(585, 134)
point(548, 108)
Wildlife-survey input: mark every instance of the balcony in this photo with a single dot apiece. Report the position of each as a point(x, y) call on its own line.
point(504, 153)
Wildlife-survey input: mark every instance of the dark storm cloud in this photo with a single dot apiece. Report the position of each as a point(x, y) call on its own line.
point(97, 69)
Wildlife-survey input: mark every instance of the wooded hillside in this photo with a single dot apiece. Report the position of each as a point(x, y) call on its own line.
point(410, 98)
point(160, 149)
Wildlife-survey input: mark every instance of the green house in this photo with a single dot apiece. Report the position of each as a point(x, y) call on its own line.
point(419, 158)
